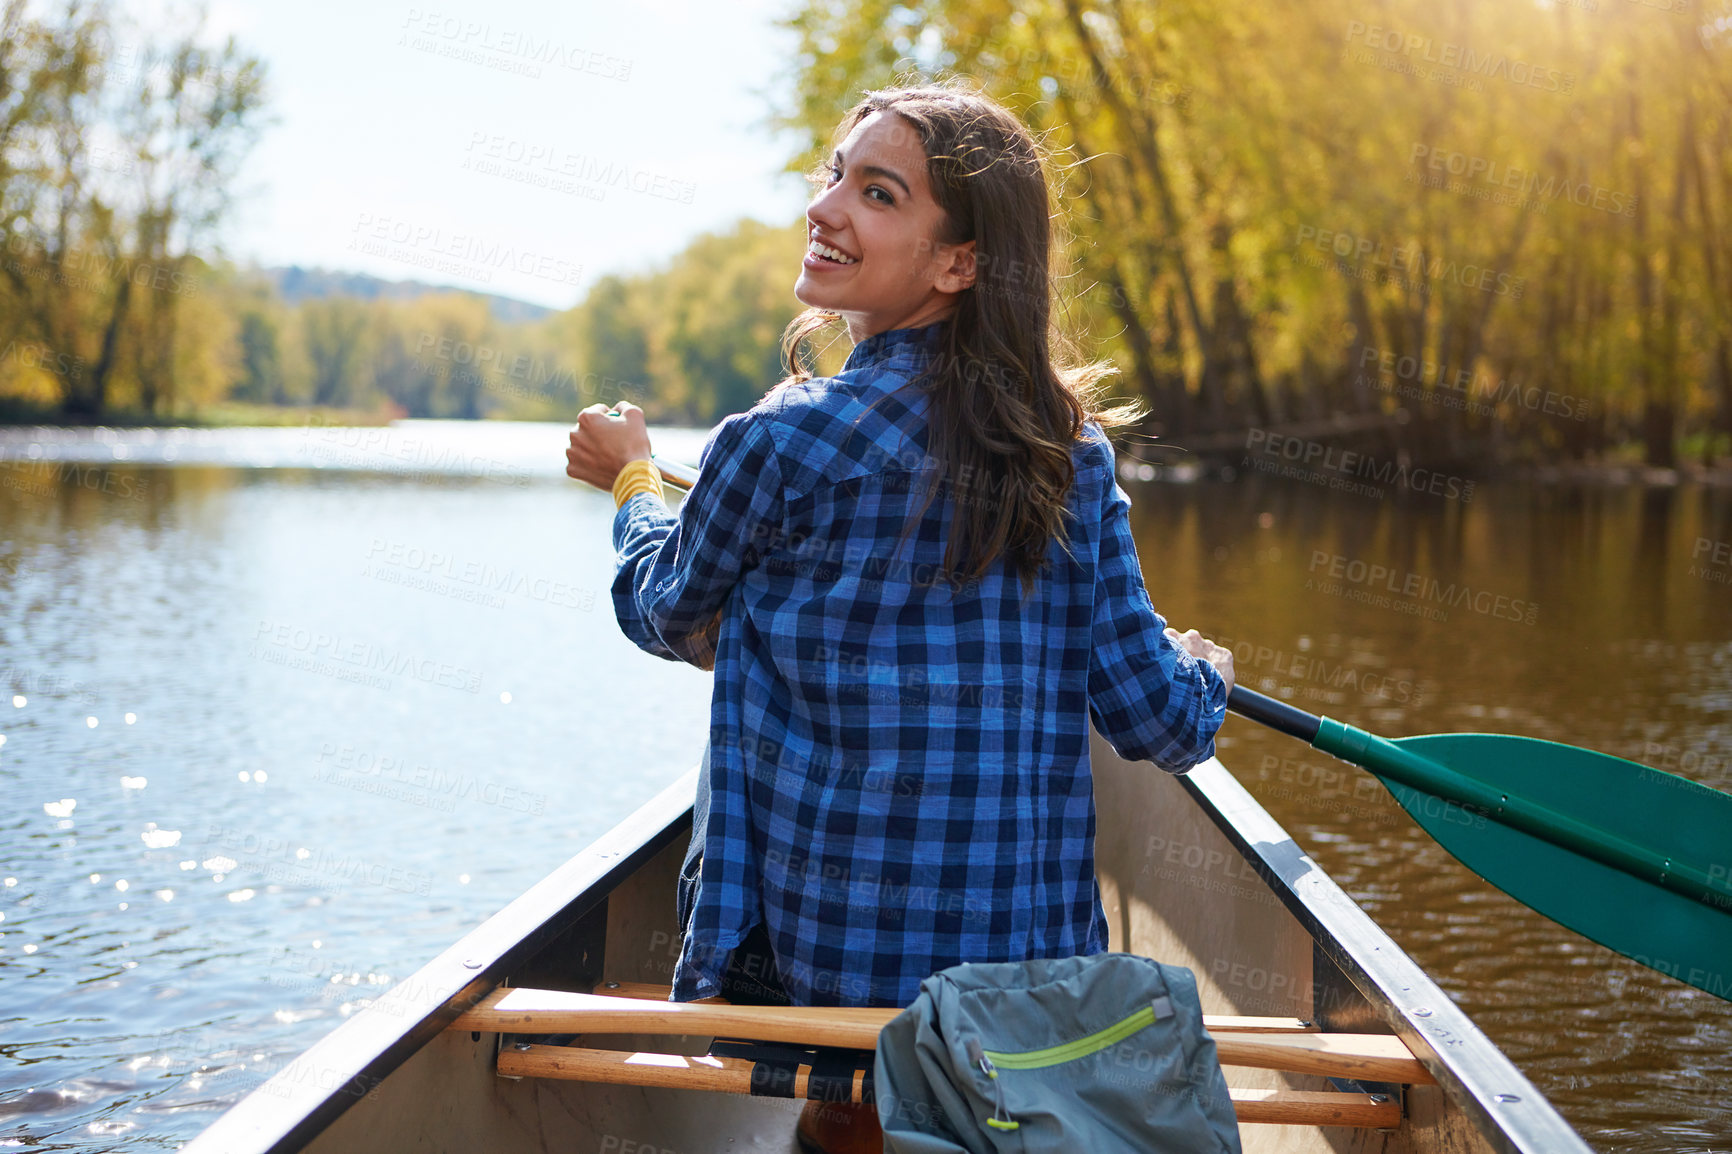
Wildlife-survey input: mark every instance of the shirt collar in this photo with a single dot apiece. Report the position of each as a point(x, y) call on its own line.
point(891, 342)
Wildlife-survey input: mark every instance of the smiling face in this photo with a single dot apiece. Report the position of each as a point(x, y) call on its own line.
point(878, 213)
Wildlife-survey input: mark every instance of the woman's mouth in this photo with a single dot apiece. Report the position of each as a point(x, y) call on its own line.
point(820, 255)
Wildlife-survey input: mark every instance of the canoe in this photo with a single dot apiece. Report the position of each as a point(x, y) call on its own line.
point(515, 1040)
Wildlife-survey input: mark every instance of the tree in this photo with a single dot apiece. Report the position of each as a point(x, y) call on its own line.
point(727, 300)
point(336, 332)
point(613, 334)
point(261, 369)
point(1288, 214)
point(189, 119)
point(112, 172)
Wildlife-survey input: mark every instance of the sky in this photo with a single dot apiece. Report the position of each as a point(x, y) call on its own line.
point(520, 147)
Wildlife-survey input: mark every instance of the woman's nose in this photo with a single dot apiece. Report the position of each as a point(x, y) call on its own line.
point(824, 210)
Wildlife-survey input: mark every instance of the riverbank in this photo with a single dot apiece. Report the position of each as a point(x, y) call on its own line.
point(1620, 468)
point(228, 415)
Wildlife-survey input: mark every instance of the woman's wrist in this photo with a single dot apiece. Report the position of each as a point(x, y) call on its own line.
point(639, 476)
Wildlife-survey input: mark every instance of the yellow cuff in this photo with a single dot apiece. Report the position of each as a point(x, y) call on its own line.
point(638, 476)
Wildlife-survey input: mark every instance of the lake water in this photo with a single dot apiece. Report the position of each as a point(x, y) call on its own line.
point(288, 711)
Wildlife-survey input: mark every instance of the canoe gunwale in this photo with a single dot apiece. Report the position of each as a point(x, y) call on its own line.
point(1466, 1064)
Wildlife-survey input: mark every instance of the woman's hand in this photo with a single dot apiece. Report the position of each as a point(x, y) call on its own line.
point(603, 444)
point(1197, 645)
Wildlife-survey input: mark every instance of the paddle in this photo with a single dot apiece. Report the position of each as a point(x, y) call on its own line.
point(1636, 859)
point(1631, 857)
point(675, 474)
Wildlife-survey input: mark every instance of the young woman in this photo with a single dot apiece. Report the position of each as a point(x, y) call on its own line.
point(916, 584)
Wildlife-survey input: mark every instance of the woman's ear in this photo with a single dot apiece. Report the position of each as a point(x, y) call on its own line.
point(959, 271)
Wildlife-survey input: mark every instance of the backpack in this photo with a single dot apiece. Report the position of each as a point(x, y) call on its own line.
point(1100, 1053)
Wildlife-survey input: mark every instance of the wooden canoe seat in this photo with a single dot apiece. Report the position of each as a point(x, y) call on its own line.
point(629, 1008)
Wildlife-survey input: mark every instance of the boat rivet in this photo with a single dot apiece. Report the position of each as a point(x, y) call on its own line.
point(521, 1046)
point(1380, 1098)
point(472, 963)
point(1422, 1011)
point(611, 985)
point(1506, 1098)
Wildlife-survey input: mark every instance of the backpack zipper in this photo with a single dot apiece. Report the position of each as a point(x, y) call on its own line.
point(1083, 1047)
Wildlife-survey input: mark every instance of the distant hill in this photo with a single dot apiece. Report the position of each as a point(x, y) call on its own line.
point(298, 284)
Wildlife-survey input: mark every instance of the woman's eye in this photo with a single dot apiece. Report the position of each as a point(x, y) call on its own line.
point(836, 174)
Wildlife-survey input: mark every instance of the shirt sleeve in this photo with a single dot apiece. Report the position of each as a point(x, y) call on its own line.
point(1150, 699)
point(674, 574)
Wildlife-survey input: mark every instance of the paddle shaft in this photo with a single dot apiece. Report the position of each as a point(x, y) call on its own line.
point(1388, 760)
point(675, 474)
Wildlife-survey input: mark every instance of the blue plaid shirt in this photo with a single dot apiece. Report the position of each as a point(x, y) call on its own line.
point(899, 767)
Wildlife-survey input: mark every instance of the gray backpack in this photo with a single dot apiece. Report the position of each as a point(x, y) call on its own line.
point(1099, 1053)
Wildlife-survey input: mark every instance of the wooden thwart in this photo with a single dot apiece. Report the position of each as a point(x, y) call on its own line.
point(1249, 1025)
point(734, 1076)
point(1364, 1057)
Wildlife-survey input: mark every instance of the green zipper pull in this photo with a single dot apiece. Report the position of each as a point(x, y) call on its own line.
point(977, 1055)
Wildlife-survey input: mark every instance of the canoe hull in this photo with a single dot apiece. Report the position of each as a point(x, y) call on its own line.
point(1192, 872)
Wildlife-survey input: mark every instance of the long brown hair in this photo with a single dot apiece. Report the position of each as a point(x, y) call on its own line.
point(1008, 392)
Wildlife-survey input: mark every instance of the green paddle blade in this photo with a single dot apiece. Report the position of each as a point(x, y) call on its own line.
point(1688, 825)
